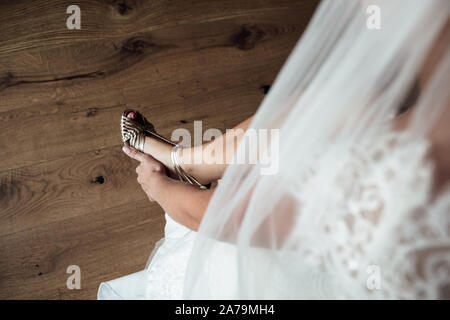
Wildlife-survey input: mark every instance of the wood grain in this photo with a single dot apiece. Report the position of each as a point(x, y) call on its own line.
point(34, 262)
point(67, 193)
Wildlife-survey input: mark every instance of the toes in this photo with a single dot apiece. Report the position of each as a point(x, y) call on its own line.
point(132, 115)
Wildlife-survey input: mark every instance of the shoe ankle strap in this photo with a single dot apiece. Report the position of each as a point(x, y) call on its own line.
point(182, 174)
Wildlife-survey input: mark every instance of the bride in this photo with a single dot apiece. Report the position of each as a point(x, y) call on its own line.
point(359, 206)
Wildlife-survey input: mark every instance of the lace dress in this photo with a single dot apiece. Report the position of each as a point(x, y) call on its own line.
point(378, 234)
point(163, 276)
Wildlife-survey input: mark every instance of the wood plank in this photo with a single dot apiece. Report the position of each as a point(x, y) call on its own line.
point(53, 108)
point(34, 262)
point(37, 194)
point(42, 24)
point(42, 193)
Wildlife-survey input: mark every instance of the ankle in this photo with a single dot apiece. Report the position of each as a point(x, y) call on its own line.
point(186, 157)
point(159, 150)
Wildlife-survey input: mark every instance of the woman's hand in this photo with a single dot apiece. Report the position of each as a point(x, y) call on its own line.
point(185, 203)
point(150, 171)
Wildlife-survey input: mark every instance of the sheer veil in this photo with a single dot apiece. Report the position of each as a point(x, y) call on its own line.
point(351, 210)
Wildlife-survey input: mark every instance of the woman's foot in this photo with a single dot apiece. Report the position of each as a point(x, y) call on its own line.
point(161, 148)
point(158, 149)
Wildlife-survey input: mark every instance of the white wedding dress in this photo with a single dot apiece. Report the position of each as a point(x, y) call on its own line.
point(352, 211)
point(163, 276)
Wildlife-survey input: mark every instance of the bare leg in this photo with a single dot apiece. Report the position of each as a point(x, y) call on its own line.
point(213, 164)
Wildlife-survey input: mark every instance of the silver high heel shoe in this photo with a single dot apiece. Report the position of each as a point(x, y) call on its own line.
point(134, 132)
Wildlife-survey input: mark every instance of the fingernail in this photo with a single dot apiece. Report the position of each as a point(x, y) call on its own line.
point(126, 149)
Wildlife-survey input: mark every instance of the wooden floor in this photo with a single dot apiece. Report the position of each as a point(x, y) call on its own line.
point(68, 196)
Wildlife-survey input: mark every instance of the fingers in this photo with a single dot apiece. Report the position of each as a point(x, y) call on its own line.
point(147, 192)
point(139, 156)
point(134, 154)
point(147, 168)
point(142, 182)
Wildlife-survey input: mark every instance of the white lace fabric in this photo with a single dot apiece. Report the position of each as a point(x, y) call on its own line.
point(163, 277)
point(381, 192)
point(334, 245)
